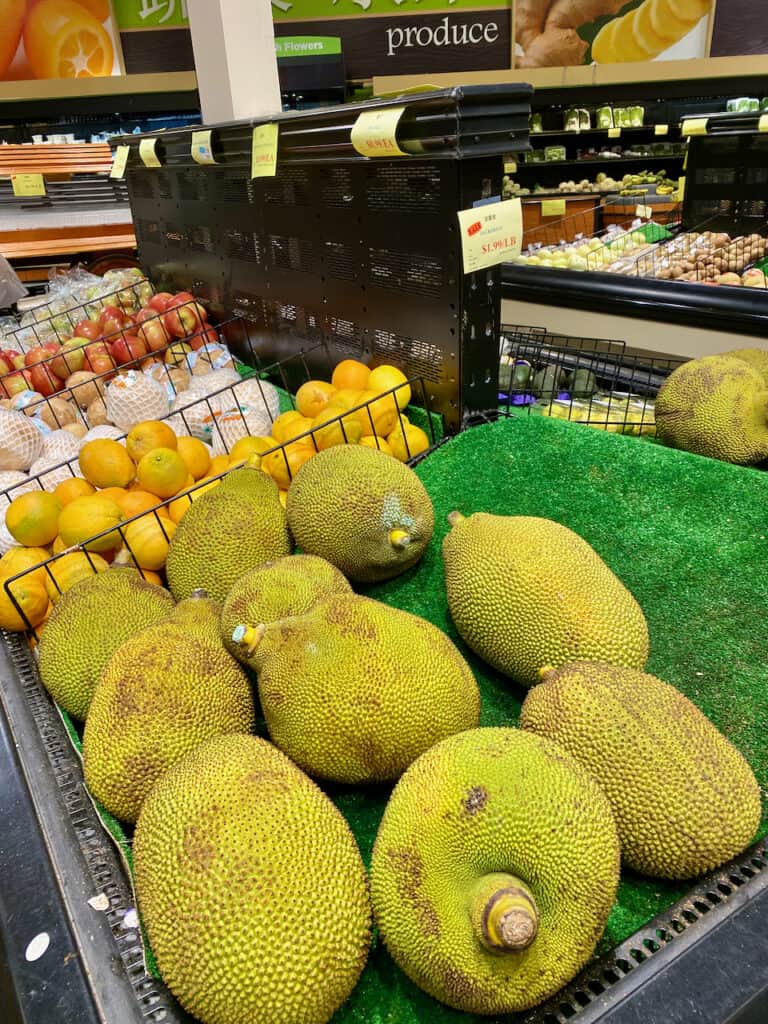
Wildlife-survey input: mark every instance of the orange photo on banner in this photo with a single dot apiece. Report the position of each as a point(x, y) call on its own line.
point(43, 39)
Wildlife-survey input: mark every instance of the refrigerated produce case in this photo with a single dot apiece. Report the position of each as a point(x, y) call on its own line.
point(378, 276)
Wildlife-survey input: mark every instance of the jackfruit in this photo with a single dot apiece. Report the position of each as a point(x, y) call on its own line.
point(87, 625)
point(362, 510)
point(235, 527)
point(354, 690)
point(494, 870)
point(716, 406)
point(756, 357)
point(241, 846)
point(526, 592)
point(684, 799)
point(285, 587)
point(161, 694)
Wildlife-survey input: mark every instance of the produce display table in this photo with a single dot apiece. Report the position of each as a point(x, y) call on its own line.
point(578, 212)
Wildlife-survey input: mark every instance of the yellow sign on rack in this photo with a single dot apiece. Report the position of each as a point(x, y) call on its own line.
point(695, 126)
point(120, 162)
point(762, 124)
point(264, 151)
point(374, 133)
point(614, 133)
point(28, 184)
point(147, 153)
point(202, 147)
point(680, 189)
point(661, 129)
point(490, 234)
point(553, 208)
point(510, 166)
point(644, 212)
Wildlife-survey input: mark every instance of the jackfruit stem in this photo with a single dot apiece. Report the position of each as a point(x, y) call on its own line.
point(454, 518)
point(248, 637)
point(508, 921)
point(399, 538)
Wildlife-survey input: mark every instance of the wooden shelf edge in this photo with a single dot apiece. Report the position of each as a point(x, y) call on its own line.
point(116, 85)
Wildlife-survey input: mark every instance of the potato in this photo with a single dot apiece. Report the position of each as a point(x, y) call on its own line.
point(85, 387)
point(97, 413)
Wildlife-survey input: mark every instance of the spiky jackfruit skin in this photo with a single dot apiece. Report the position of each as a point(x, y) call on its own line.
point(354, 690)
point(344, 505)
point(238, 525)
point(482, 802)
point(161, 694)
point(526, 592)
point(288, 586)
point(684, 799)
point(756, 357)
point(240, 846)
point(87, 625)
point(716, 406)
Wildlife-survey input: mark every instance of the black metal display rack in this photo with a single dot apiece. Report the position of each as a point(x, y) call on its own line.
point(363, 254)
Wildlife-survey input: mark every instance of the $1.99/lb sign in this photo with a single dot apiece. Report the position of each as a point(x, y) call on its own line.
point(490, 234)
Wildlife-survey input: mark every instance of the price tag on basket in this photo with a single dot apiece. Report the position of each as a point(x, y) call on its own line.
point(661, 129)
point(695, 126)
point(644, 212)
point(120, 162)
point(374, 133)
point(490, 234)
point(202, 147)
point(614, 133)
point(148, 154)
point(28, 184)
point(264, 151)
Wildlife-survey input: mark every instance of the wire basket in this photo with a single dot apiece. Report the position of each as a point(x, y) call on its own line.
point(591, 381)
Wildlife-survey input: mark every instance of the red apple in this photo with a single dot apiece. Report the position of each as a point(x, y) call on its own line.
point(159, 301)
point(208, 336)
point(40, 353)
point(18, 362)
point(128, 349)
point(151, 330)
point(69, 358)
point(89, 329)
point(7, 364)
point(43, 381)
point(112, 320)
point(182, 317)
point(98, 358)
point(13, 383)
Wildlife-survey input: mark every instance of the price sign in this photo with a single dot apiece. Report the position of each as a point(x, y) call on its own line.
point(374, 132)
point(661, 129)
point(695, 126)
point(120, 162)
point(614, 133)
point(553, 207)
point(202, 149)
point(762, 124)
point(490, 234)
point(264, 151)
point(644, 212)
point(681, 189)
point(147, 153)
point(510, 166)
point(28, 184)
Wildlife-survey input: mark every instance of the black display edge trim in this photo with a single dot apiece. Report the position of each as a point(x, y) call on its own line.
point(736, 310)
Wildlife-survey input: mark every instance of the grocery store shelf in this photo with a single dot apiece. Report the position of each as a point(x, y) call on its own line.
point(597, 160)
point(564, 132)
point(735, 310)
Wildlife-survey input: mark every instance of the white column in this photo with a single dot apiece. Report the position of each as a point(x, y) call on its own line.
point(234, 46)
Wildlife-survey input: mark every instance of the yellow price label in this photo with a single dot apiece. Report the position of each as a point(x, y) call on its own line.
point(614, 133)
point(680, 189)
point(762, 124)
point(120, 162)
point(490, 234)
point(685, 161)
point(374, 133)
point(147, 153)
point(202, 147)
point(264, 151)
point(553, 207)
point(644, 212)
point(661, 129)
point(28, 184)
point(695, 126)
point(510, 166)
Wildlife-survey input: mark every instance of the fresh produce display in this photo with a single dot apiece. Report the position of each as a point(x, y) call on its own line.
point(593, 712)
point(336, 686)
point(613, 251)
point(558, 600)
point(485, 918)
point(238, 840)
point(602, 183)
point(708, 257)
point(715, 406)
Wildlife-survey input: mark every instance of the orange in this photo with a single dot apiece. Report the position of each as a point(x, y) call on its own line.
point(148, 538)
point(116, 494)
point(22, 560)
point(312, 397)
point(33, 518)
point(289, 424)
point(219, 464)
point(32, 599)
point(63, 40)
point(106, 463)
point(335, 433)
point(73, 488)
point(176, 354)
point(196, 455)
point(151, 577)
point(283, 464)
point(379, 415)
point(350, 373)
point(133, 502)
point(242, 449)
point(374, 441)
point(178, 507)
point(383, 378)
point(68, 570)
point(406, 440)
point(162, 472)
point(58, 545)
point(83, 521)
point(12, 19)
point(148, 435)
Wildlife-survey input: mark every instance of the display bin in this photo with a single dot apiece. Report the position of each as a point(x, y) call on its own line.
point(363, 253)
